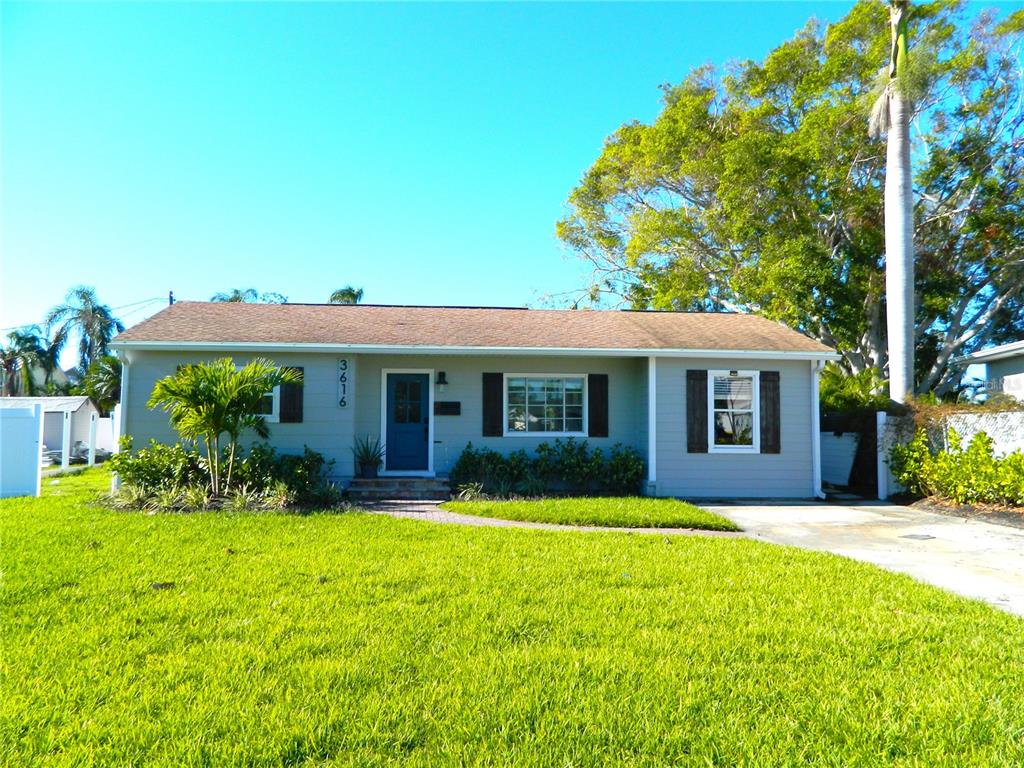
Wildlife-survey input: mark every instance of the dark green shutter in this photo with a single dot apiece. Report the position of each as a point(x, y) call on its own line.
point(492, 404)
point(697, 411)
point(291, 402)
point(771, 427)
point(597, 405)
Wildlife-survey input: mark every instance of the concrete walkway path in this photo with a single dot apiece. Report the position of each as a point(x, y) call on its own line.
point(969, 557)
point(430, 511)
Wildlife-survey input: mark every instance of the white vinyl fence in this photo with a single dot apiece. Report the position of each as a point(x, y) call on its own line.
point(891, 431)
point(1006, 428)
point(838, 453)
point(21, 446)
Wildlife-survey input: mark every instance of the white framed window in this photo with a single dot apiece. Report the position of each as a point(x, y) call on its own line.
point(734, 411)
point(545, 404)
point(270, 406)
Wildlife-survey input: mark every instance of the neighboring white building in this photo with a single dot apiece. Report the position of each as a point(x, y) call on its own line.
point(69, 424)
point(1004, 368)
point(58, 378)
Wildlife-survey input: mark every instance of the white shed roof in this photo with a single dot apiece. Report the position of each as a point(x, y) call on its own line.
point(1013, 349)
point(50, 404)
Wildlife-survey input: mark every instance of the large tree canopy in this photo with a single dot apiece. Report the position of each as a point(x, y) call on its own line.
point(760, 189)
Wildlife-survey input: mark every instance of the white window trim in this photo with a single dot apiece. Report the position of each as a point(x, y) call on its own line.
point(755, 446)
point(544, 435)
point(274, 416)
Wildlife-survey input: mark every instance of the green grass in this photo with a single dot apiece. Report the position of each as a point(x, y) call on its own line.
point(632, 512)
point(366, 640)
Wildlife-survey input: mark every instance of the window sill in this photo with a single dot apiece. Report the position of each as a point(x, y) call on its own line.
point(733, 449)
point(544, 434)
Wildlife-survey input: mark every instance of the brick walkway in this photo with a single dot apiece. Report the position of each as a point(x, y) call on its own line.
point(431, 512)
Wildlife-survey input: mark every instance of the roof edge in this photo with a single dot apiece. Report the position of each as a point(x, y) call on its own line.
point(1001, 352)
point(403, 349)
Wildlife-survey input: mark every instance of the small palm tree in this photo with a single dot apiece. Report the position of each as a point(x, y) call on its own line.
point(20, 358)
point(346, 295)
point(102, 383)
point(241, 295)
point(49, 358)
point(208, 400)
point(250, 296)
point(8, 371)
point(84, 315)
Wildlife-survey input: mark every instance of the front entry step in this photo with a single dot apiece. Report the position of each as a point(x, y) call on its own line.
point(403, 488)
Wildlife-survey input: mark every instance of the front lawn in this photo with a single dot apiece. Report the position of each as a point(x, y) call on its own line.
point(356, 639)
point(614, 512)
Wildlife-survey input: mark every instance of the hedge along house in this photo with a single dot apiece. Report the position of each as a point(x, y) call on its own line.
point(719, 405)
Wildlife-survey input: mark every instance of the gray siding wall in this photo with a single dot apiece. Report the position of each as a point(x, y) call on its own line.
point(1007, 376)
point(465, 385)
point(331, 430)
point(1007, 367)
point(325, 427)
point(697, 475)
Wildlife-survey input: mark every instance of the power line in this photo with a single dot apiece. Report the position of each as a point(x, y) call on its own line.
point(113, 309)
point(140, 309)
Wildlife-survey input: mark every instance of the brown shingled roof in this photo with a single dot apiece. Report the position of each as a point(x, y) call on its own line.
point(370, 325)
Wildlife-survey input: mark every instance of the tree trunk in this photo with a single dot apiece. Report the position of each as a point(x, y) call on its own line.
point(899, 227)
point(231, 461)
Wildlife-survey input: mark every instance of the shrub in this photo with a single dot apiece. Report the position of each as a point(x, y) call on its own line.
point(303, 476)
point(559, 467)
point(158, 466)
point(624, 471)
point(971, 475)
point(173, 477)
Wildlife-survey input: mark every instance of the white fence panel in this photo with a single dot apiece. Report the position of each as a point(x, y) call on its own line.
point(21, 451)
point(105, 440)
point(891, 430)
point(1006, 428)
point(837, 455)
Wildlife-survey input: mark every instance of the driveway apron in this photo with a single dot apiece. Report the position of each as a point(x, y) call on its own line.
point(969, 557)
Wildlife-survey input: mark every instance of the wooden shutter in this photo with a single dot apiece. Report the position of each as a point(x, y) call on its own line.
point(492, 401)
point(597, 405)
point(771, 438)
point(697, 411)
point(291, 402)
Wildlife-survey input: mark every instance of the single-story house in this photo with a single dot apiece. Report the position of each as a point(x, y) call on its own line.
point(1004, 368)
point(719, 405)
point(68, 424)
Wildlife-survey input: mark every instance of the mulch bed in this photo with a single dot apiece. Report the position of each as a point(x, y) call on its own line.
point(986, 513)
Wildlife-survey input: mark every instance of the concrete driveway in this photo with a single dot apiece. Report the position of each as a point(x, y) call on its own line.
point(968, 557)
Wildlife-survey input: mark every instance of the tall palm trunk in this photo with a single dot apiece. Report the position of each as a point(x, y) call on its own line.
point(899, 217)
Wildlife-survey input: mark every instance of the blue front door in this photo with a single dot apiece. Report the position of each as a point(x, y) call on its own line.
point(408, 422)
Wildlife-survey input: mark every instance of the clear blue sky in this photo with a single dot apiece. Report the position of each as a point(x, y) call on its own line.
point(423, 152)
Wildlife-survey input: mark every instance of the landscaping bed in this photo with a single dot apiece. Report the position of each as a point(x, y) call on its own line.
point(995, 514)
point(353, 639)
point(614, 512)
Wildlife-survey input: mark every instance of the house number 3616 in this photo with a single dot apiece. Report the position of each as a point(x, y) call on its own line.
point(344, 382)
